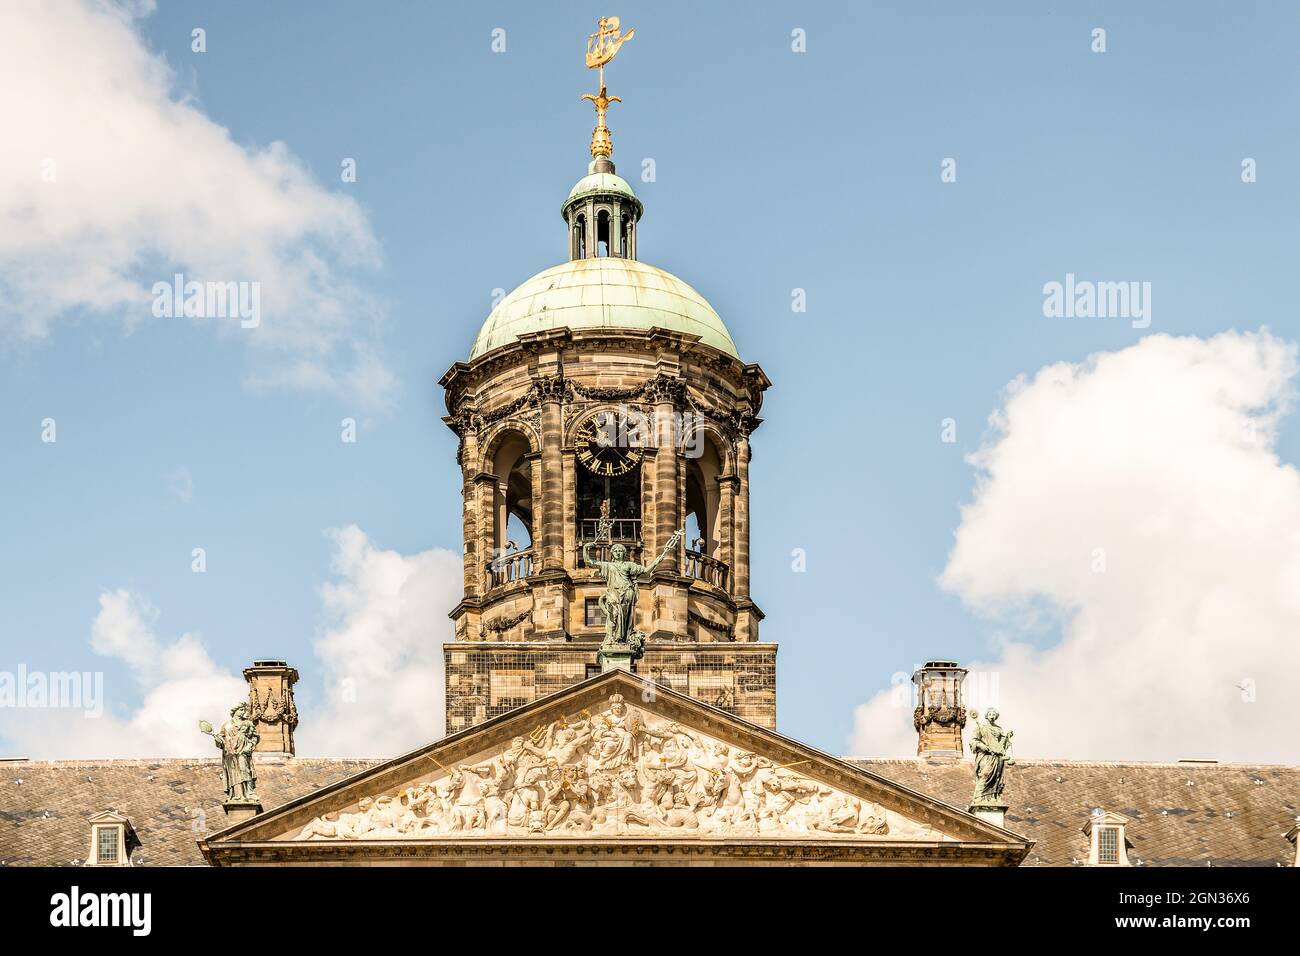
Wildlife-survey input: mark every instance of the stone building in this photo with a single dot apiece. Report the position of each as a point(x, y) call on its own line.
point(169, 812)
point(605, 405)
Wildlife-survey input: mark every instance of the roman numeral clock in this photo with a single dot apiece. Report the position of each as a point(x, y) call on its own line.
point(602, 445)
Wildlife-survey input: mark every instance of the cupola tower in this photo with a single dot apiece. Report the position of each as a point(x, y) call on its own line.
point(605, 404)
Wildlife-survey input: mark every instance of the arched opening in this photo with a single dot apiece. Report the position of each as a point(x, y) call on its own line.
point(580, 237)
point(609, 512)
point(623, 239)
point(697, 519)
point(703, 516)
point(512, 513)
point(602, 233)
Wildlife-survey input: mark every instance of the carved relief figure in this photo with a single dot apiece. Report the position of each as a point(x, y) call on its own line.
point(614, 772)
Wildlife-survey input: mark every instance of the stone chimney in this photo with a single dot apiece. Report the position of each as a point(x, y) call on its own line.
point(270, 703)
point(939, 716)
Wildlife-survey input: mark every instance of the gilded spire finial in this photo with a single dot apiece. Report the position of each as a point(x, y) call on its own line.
point(601, 47)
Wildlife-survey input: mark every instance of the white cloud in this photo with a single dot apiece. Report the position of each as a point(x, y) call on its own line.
point(379, 653)
point(178, 680)
point(110, 182)
point(381, 650)
point(1157, 462)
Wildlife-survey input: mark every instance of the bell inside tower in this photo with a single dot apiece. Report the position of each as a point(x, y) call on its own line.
point(609, 512)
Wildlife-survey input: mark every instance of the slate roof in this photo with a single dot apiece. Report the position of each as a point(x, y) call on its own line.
point(45, 806)
point(1180, 814)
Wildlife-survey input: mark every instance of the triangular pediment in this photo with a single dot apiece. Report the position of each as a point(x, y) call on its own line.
point(615, 760)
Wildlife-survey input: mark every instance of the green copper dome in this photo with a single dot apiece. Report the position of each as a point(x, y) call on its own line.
point(599, 293)
point(601, 184)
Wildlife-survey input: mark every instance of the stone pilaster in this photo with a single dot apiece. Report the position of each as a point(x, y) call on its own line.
point(485, 496)
point(470, 516)
point(727, 485)
point(740, 522)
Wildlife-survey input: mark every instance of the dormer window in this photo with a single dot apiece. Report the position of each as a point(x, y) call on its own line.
point(1108, 845)
point(111, 840)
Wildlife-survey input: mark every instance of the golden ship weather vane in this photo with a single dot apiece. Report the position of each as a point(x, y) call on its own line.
point(601, 47)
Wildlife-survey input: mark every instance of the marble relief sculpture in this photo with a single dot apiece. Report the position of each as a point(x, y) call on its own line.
point(612, 773)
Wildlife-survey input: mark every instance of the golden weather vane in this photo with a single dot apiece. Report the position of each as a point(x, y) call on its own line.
point(601, 47)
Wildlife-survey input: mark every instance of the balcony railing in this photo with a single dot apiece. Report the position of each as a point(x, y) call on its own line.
point(707, 569)
point(621, 530)
point(511, 567)
point(624, 531)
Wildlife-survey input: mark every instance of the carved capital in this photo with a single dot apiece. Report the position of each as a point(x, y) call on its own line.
point(551, 388)
point(664, 388)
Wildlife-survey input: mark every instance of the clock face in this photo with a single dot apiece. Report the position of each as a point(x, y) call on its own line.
point(602, 446)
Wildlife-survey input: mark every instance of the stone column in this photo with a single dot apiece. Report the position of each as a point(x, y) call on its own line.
point(667, 491)
point(551, 503)
point(740, 513)
point(485, 493)
point(726, 520)
point(470, 520)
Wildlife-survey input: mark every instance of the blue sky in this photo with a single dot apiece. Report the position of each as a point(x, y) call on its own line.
point(774, 171)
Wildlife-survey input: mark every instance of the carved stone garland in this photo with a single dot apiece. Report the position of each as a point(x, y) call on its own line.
point(271, 709)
